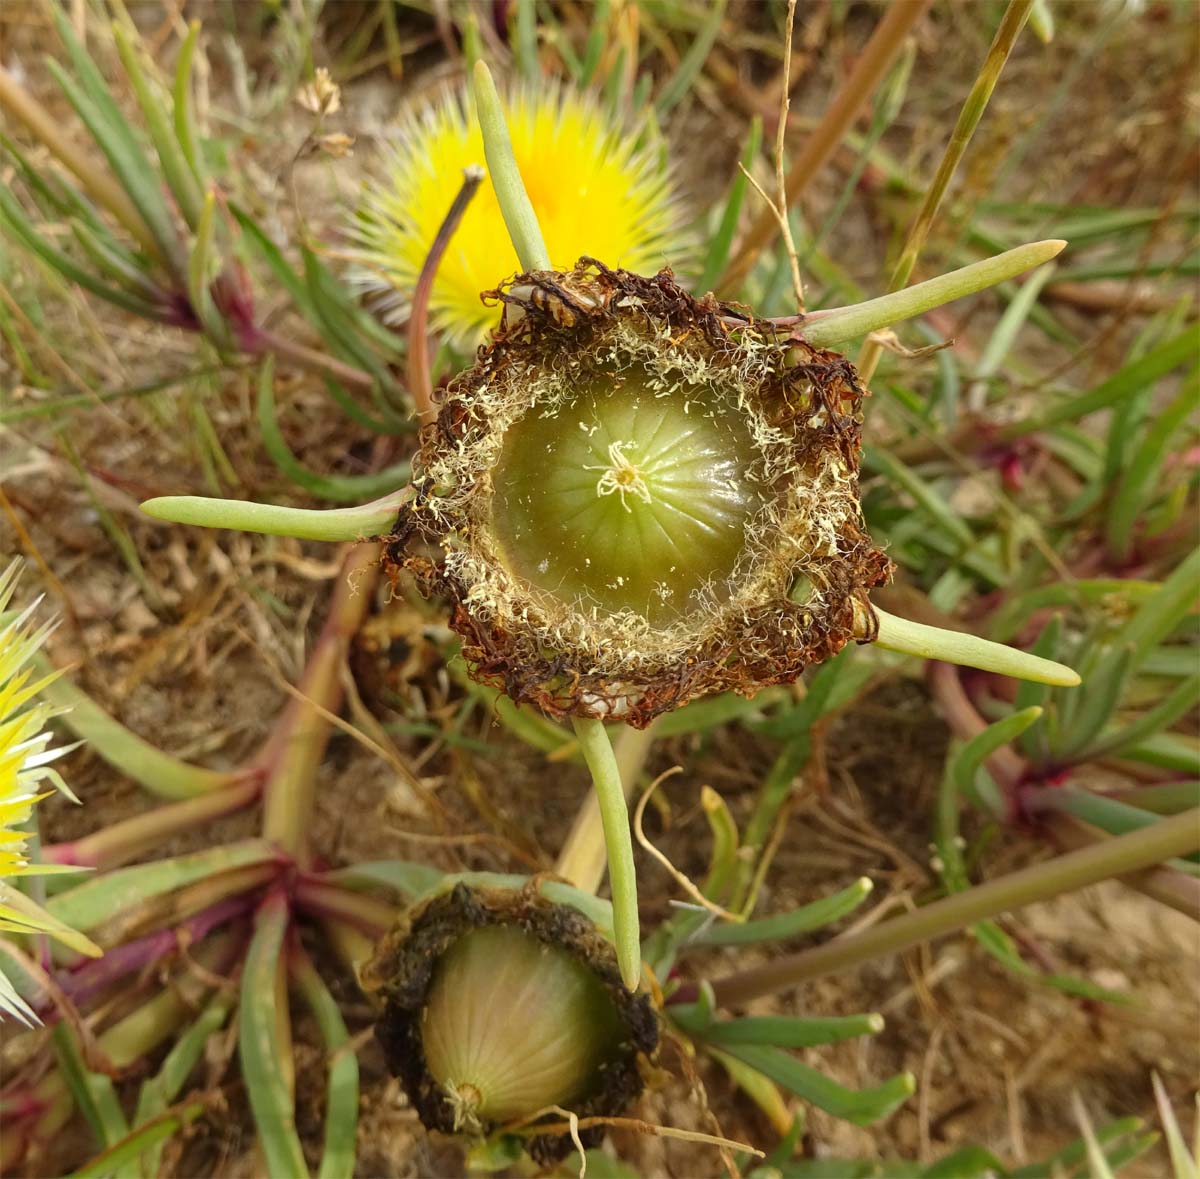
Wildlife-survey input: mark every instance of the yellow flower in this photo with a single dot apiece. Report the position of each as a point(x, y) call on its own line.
point(599, 188)
point(24, 767)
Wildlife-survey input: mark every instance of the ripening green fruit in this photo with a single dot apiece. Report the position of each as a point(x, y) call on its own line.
point(498, 1003)
point(512, 1025)
point(623, 499)
point(640, 498)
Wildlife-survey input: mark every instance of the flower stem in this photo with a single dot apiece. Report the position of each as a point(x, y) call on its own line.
point(515, 205)
point(954, 646)
point(420, 380)
point(583, 855)
point(1164, 840)
point(614, 816)
point(824, 329)
point(334, 524)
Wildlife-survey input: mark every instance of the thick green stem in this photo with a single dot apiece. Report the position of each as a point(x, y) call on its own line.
point(954, 646)
point(583, 855)
point(824, 329)
point(968, 119)
point(614, 816)
point(334, 524)
point(519, 217)
point(1178, 836)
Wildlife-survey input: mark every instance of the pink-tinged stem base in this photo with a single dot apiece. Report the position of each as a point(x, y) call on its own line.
point(126, 841)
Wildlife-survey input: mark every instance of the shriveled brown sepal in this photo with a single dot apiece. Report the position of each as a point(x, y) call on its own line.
point(803, 406)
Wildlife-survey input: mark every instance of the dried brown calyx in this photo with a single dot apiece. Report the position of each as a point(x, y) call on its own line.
point(640, 498)
point(500, 1003)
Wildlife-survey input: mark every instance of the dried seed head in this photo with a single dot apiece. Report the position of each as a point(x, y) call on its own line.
point(501, 1003)
point(638, 503)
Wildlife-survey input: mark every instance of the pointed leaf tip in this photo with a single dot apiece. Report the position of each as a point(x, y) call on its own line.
point(951, 646)
point(833, 325)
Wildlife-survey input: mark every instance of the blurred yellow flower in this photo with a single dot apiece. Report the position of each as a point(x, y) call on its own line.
point(24, 767)
point(598, 187)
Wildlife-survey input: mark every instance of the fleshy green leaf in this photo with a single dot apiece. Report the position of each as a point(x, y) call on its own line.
point(158, 772)
point(341, 1094)
point(862, 1107)
point(1127, 381)
point(1144, 471)
point(786, 925)
point(176, 169)
point(146, 1141)
point(90, 904)
point(159, 1091)
point(339, 488)
point(93, 1092)
point(717, 255)
point(12, 218)
point(264, 1053)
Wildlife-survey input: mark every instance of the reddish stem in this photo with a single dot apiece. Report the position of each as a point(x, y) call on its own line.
point(1005, 765)
point(121, 842)
point(327, 900)
point(294, 750)
point(420, 383)
point(96, 974)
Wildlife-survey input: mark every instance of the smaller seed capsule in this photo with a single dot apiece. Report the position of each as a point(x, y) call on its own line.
point(498, 1004)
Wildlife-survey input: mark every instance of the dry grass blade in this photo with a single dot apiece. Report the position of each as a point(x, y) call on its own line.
point(864, 79)
point(1015, 16)
point(675, 873)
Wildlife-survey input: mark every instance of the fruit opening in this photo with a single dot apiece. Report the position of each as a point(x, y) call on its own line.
point(628, 497)
point(497, 1003)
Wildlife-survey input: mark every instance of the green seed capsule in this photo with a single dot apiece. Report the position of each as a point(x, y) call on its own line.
point(513, 1025)
point(627, 487)
point(497, 1004)
point(626, 500)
